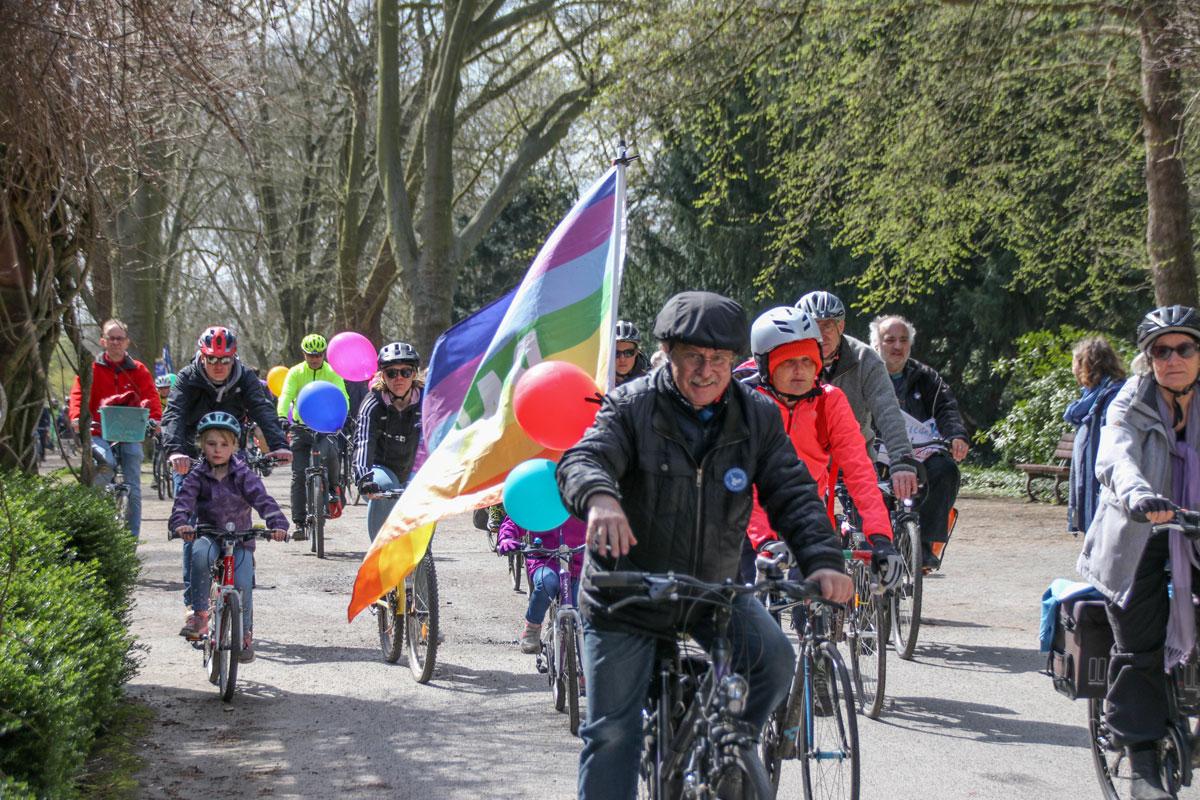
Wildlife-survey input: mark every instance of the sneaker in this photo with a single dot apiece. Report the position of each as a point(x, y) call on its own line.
point(196, 626)
point(822, 696)
point(298, 533)
point(247, 654)
point(531, 638)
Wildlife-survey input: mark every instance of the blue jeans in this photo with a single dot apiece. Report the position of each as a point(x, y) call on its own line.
point(617, 666)
point(130, 454)
point(205, 553)
point(378, 510)
point(544, 587)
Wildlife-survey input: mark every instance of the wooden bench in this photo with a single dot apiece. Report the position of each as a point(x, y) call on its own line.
point(1060, 470)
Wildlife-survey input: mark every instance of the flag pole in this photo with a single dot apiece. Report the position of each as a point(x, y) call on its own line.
point(622, 161)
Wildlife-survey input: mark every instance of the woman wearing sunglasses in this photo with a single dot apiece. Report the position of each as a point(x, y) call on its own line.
point(388, 430)
point(1148, 463)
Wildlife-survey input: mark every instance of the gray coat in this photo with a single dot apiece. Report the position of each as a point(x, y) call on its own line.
point(1134, 462)
point(862, 376)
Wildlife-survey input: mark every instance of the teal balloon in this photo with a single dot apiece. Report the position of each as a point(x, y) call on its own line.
point(531, 496)
point(322, 407)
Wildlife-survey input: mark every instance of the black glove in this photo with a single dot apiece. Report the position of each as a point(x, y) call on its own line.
point(369, 487)
point(886, 562)
point(1152, 505)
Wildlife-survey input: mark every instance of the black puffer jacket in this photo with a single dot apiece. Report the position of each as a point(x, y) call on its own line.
point(641, 366)
point(923, 394)
point(386, 436)
point(689, 515)
point(194, 395)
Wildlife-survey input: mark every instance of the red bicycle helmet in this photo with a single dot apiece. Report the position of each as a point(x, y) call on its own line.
point(217, 341)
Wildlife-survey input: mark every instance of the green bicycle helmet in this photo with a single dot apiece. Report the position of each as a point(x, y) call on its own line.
point(314, 344)
point(164, 381)
point(219, 420)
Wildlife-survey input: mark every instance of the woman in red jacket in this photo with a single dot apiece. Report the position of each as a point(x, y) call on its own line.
point(818, 419)
point(118, 379)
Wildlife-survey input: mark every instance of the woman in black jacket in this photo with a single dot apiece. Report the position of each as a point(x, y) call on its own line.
point(388, 430)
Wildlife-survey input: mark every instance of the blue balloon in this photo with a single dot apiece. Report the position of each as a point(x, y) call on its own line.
point(531, 496)
point(322, 406)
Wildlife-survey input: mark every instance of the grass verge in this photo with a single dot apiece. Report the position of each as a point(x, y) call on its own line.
point(991, 482)
point(114, 761)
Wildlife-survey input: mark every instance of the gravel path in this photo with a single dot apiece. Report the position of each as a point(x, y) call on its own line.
point(321, 715)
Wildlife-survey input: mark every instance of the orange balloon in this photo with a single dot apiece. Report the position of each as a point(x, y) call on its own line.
point(275, 379)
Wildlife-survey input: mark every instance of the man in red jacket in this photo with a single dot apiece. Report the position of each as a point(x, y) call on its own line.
point(117, 379)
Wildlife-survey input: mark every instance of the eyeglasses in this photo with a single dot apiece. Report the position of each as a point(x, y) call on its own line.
point(116, 338)
point(630, 353)
point(218, 360)
point(1161, 352)
point(314, 355)
point(400, 372)
point(697, 360)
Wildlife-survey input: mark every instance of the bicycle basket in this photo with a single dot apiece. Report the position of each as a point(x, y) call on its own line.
point(123, 423)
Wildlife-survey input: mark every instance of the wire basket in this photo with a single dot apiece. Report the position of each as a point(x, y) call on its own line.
point(123, 423)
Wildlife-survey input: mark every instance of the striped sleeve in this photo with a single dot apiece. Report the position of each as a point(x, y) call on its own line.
point(364, 437)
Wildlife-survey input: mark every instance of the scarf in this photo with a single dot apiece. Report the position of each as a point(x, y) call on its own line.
point(1078, 411)
point(1185, 492)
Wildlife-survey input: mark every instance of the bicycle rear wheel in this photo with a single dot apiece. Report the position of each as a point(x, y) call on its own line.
point(1110, 764)
point(829, 732)
point(228, 646)
point(121, 498)
point(743, 777)
point(421, 619)
point(161, 476)
point(906, 599)
point(390, 615)
point(868, 645)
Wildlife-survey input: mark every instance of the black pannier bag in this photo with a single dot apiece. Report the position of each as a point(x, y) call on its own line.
point(1079, 654)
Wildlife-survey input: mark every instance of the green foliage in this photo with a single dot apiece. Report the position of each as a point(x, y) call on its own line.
point(63, 647)
point(1040, 386)
point(991, 481)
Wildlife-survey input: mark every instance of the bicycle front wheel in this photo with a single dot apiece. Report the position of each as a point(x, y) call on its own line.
point(316, 515)
point(906, 600)
point(829, 730)
point(743, 777)
point(421, 619)
point(516, 568)
point(868, 645)
point(568, 643)
point(161, 476)
point(122, 501)
point(229, 645)
point(390, 614)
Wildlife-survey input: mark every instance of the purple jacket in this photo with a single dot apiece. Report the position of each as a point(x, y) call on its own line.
point(214, 502)
point(573, 531)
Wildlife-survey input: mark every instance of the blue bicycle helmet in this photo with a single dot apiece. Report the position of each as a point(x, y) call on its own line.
point(219, 420)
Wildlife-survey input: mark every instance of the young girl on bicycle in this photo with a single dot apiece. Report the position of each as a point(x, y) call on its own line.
point(221, 490)
point(542, 571)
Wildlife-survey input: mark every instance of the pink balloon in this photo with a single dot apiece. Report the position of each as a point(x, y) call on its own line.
point(352, 356)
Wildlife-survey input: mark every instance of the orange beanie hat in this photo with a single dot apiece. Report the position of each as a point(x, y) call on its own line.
point(804, 347)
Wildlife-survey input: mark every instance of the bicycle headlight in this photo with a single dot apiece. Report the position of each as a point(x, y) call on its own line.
point(735, 692)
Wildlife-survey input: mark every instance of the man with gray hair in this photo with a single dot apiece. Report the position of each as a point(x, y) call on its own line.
point(930, 412)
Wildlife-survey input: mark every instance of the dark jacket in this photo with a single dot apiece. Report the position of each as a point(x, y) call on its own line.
point(859, 372)
point(687, 503)
point(194, 395)
point(386, 436)
point(218, 502)
point(1089, 415)
point(641, 366)
point(924, 395)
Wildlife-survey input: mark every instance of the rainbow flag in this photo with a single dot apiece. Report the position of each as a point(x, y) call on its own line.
point(563, 310)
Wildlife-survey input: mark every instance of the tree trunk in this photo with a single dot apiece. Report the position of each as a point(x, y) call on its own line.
point(138, 240)
point(1168, 224)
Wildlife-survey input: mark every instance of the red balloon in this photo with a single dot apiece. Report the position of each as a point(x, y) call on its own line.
point(555, 402)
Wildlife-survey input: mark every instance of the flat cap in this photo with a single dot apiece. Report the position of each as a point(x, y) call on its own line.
point(703, 319)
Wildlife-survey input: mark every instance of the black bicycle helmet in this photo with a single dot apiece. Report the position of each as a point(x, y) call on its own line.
point(398, 353)
point(627, 332)
point(1168, 319)
point(822, 305)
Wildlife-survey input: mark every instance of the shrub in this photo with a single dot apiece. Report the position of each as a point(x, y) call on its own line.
point(63, 647)
point(1040, 387)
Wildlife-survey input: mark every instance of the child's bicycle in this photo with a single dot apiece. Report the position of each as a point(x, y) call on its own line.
point(222, 644)
point(410, 614)
point(561, 656)
point(121, 427)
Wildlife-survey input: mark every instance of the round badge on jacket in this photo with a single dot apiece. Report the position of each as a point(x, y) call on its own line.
point(736, 479)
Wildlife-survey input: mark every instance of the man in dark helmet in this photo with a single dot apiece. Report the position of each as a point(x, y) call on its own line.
point(666, 480)
point(630, 360)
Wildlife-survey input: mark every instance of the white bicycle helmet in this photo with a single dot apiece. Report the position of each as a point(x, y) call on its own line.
point(777, 327)
point(1168, 319)
point(822, 305)
point(627, 332)
point(219, 420)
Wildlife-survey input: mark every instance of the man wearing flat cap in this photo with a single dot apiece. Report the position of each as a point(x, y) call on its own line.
point(666, 480)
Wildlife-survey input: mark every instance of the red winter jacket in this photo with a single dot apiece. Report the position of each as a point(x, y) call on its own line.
point(109, 380)
point(836, 444)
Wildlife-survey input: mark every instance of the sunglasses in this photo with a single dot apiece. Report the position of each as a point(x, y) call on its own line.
point(399, 372)
point(630, 353)
point(218, 359)
point(315, 355)
point(1161, 352)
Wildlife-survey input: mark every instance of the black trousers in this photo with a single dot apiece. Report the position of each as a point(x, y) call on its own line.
point(1137, 685)
point(942, 479)
point(302, 447)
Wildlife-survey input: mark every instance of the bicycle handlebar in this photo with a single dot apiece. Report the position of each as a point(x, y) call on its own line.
point(531, 550)
point(221, 533)
point(1186, 522)
point(664, 587)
